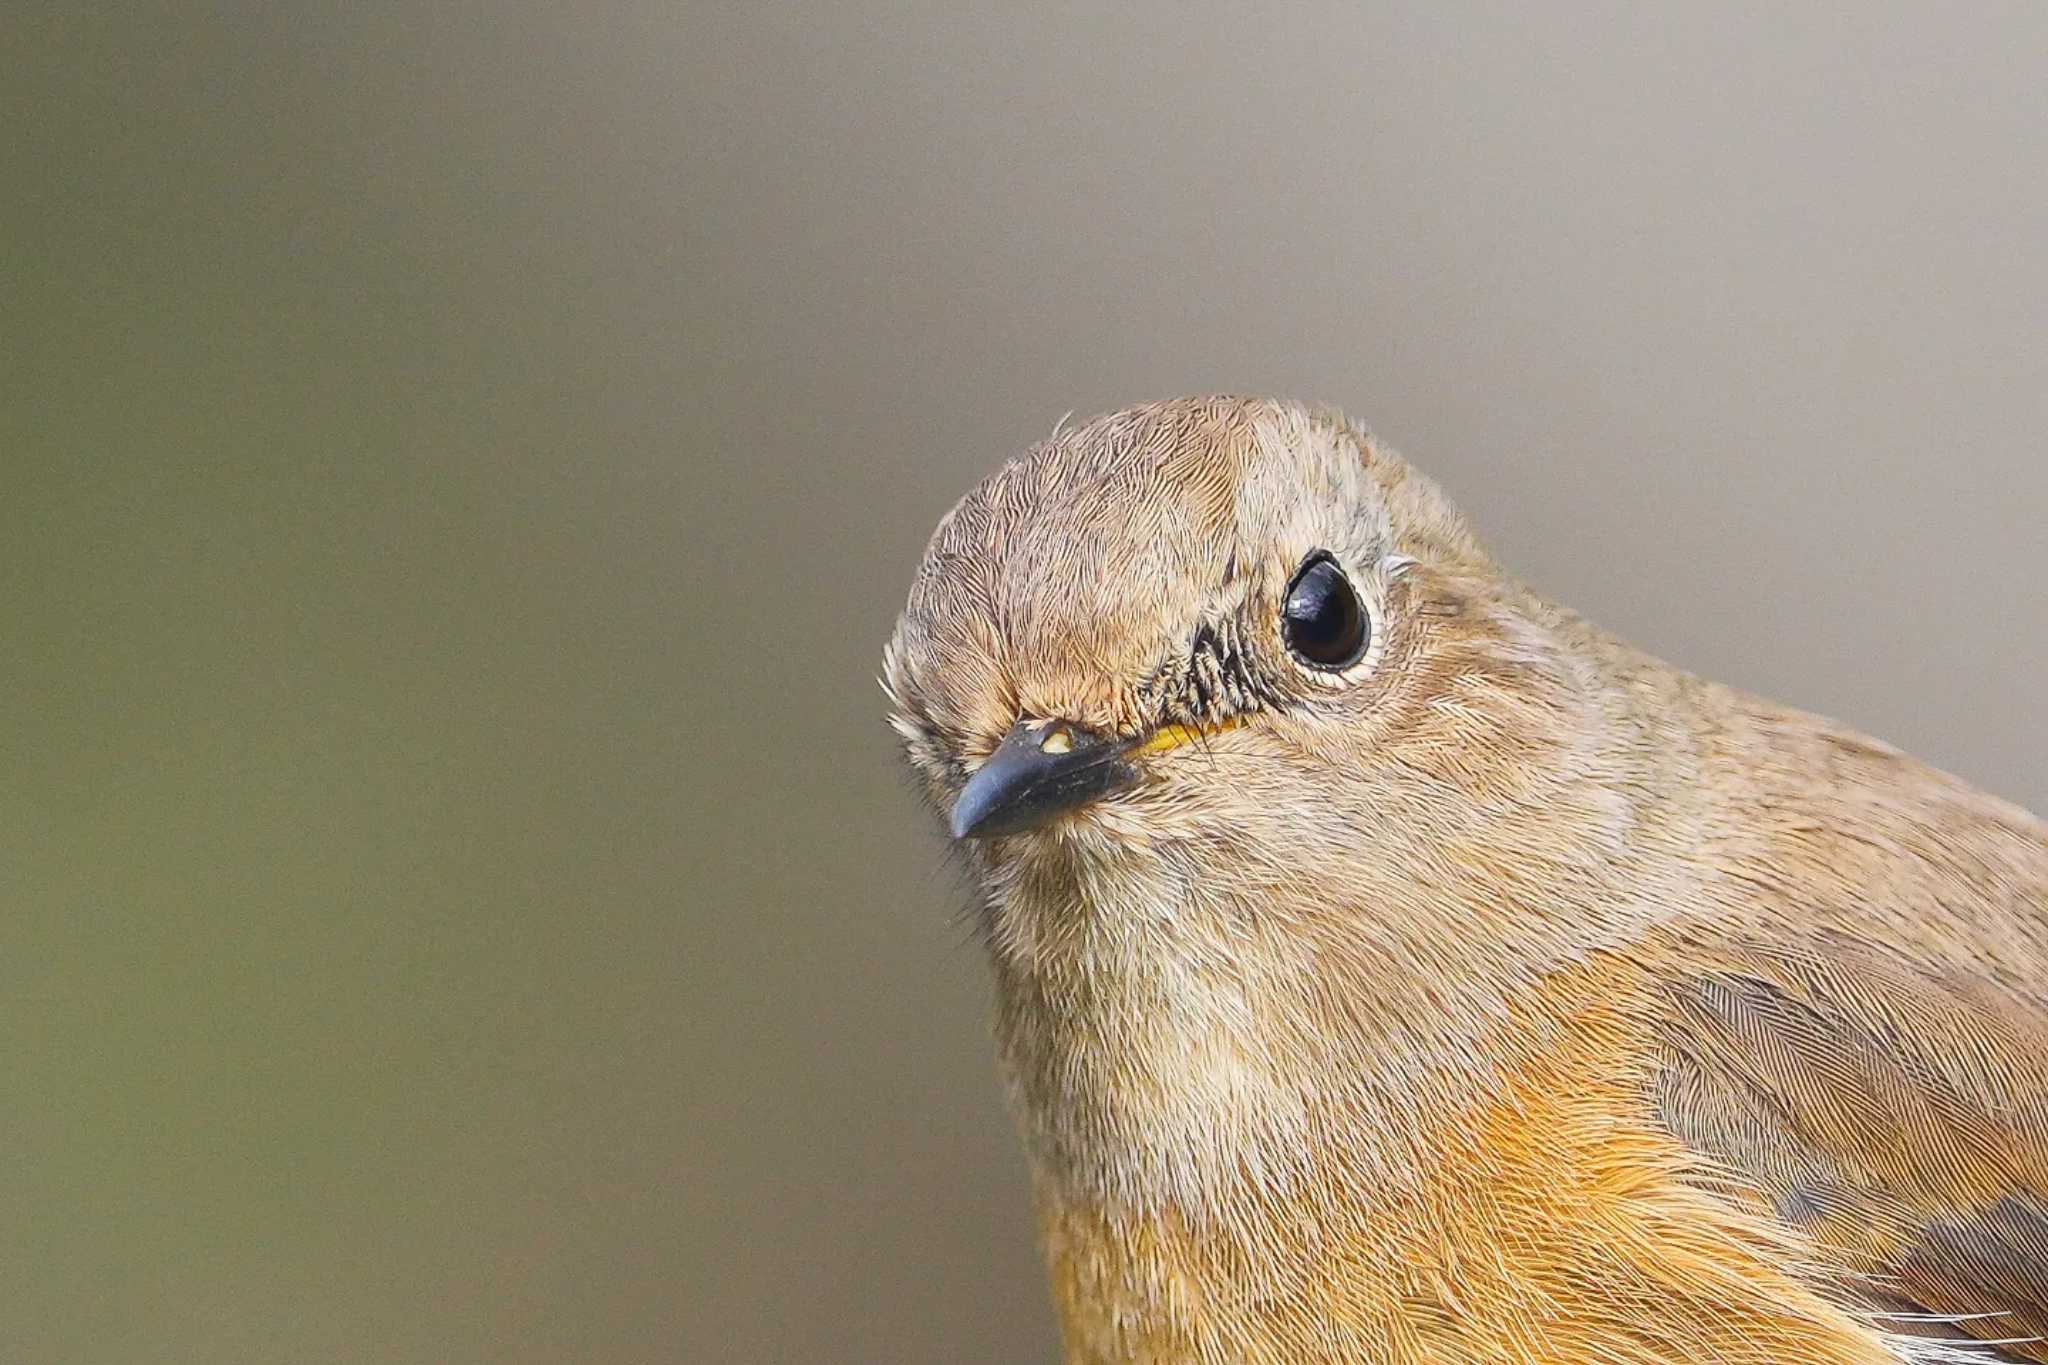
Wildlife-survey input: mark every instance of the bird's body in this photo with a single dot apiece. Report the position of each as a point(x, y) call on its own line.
point(1478, 990)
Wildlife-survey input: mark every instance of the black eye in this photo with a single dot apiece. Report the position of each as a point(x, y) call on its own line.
point(1325, 623)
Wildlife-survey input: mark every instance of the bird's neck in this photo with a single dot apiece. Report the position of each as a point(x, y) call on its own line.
point(1192, 1064)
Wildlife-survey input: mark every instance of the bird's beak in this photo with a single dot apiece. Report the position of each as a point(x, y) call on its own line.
point(1045, 768)
point(1041, 769)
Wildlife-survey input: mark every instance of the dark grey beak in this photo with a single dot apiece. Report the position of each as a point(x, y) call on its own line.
point(1041, 769)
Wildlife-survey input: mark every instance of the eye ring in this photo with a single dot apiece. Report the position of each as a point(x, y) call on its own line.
point(1322, 618)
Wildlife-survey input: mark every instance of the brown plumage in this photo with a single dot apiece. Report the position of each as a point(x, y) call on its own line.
point(1499, 995)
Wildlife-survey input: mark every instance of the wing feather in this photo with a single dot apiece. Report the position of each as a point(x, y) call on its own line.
point(1899, 1121)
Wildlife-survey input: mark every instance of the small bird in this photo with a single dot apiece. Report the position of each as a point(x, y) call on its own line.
point(1390, 966)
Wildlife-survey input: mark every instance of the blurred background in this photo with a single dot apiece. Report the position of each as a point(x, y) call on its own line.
point(461, 463)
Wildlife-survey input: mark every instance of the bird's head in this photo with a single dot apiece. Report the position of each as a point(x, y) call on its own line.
point(1232, 653)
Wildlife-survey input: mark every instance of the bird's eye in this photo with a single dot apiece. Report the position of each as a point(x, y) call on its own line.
point(1325, 624)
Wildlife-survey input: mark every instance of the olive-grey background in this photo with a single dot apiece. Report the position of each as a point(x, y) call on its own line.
point(461, 463)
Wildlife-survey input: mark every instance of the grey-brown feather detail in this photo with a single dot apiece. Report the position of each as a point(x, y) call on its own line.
point(1897, 1126)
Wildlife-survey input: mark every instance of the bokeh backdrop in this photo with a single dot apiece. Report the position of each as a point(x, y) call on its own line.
point(461, 463)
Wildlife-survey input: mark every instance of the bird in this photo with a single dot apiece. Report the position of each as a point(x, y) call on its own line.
point(1389, 965)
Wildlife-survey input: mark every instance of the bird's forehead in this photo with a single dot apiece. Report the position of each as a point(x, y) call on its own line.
point(1155, 499)
point(1079, 562)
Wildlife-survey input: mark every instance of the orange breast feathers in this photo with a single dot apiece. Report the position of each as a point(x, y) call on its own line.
point(1562, 1224)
